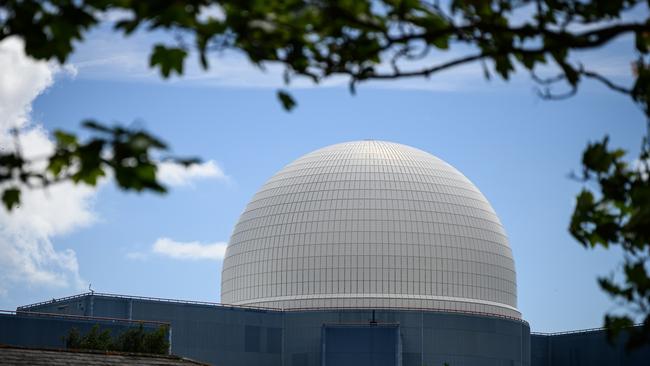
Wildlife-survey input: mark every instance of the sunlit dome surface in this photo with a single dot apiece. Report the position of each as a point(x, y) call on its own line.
point(370, 224)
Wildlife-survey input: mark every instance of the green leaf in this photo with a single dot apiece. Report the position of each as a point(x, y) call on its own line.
point(89, 176)
point(11, 198)
point(581, 214)
point(288, 103)
point(127, 25)
point(64, 138)
point(642, 41)
point(57, 163)
point(598, 158)
point(503, 66)
point(169, 60)
point(441, 42)
point(146, 172)
point(529, 60)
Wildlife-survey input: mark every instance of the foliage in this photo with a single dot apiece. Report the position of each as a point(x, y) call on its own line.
point(132, 340)
point(618, 213)
point(137, 340)
point(126, 152)
point(93, 340)
point(362, 40)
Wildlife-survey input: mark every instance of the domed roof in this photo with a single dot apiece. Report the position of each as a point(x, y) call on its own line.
point(370, 224)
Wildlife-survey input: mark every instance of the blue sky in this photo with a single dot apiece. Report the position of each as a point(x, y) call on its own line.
point(518, 149)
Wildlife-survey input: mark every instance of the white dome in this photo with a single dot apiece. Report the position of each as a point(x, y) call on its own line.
point(370, 224)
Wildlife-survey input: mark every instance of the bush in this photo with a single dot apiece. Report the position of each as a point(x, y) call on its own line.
point(132, 340)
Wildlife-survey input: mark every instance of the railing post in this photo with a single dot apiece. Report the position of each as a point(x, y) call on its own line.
point(92, 304)
point(169, 337)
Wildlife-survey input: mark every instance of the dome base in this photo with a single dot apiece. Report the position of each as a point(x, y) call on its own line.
point(385, 301)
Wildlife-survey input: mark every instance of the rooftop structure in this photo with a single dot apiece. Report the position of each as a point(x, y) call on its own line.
point(16, 356)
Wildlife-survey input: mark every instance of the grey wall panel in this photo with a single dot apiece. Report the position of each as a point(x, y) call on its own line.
point(203, 332)
point(49, 332)
point(239, 336)
point(360, 345)
point(589, 348)
point(77, 306)
point(235, 336)
point(425, 336)
point(106, 305)
point(218, 335)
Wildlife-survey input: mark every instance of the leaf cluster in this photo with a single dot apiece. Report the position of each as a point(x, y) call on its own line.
point(128, 154)
point(615, 210)
point(135, 340)
point(361, 39)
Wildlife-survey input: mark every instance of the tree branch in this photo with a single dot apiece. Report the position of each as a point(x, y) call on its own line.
point(610, 84)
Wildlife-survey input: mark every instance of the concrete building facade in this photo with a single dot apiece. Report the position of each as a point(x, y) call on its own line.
point(239, 335)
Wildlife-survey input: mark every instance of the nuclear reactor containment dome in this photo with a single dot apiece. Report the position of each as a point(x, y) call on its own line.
point(370, 224)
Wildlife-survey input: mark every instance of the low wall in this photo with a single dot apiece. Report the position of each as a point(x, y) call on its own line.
point(224, 335)
point(585, 348)
point(49, 330)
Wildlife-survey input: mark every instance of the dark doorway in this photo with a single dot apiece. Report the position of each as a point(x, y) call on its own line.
point(361, 345)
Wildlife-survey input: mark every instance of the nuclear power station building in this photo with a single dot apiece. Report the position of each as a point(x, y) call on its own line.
point(360, 253)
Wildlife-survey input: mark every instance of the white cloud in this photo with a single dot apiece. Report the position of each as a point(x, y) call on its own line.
point(178, 175)
point(193, 250)
point(21, 80)
point(28, 255)
point(212, 11)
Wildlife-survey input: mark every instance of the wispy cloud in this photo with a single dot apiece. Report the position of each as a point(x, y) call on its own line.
point(177, 175)
point(100, 57)
point(193, 250)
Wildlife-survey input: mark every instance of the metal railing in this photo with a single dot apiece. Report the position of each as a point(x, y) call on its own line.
point(144, 298)
point(52, 301)
point(83, 317)
point(588, 330)
point(261, 308)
